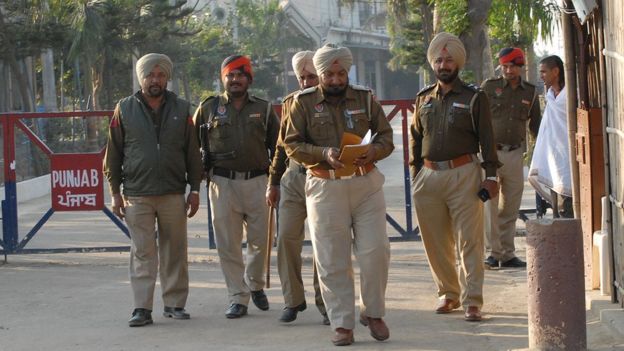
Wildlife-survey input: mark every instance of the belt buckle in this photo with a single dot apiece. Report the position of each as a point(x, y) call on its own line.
point(443, 165)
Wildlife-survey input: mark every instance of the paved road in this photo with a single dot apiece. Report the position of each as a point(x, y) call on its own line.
point(83, 301)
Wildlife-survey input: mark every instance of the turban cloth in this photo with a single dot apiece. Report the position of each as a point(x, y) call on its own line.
point(302, 61)
point(330, 54)
point(237, 62)
point(513, 55)
point(446, 41)
point(147, 63)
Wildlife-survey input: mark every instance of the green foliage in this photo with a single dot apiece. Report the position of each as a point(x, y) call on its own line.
point(454, 15)
point(261, 36)
point(520, 23)
point(407, 44)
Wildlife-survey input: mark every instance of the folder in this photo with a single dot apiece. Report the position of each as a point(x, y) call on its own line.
point(352, 147)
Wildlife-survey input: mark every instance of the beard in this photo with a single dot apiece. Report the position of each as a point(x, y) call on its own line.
point(446, 76)
point(337, 90)
point(155, 90)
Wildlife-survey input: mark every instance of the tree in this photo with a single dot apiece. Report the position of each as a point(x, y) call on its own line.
point(475, 22)
point(261, 36)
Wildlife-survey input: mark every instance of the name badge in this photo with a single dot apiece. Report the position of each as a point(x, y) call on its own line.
point(355, 112)
point(255, 115)
point(321, 114)
point(526, 102)
point(458, 105)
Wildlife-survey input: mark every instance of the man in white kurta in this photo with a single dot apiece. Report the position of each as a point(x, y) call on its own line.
point(550, 167)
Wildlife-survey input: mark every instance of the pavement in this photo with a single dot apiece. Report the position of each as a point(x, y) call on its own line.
point(82, 301)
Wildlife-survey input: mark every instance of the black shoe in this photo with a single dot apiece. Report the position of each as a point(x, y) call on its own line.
point(176, 313)
point(514, 263)
point(325, 319)
point(290, 313)
point(236, 310)
point(260, 300)
point(491, 263)
point(140, 317)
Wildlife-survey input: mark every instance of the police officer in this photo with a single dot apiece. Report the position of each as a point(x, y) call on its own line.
point(451, 124)
point(513, 102)
point(236, 131)
point(286, 187)
point(345, 202)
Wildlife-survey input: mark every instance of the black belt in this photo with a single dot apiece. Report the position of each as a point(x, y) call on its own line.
point(505, 147)
point(227, 173)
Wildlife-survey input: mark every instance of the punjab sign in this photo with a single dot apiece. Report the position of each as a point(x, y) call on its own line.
point(77, 182)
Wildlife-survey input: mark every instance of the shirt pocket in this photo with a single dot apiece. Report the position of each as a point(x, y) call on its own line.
point(427, 119)
point(321, 129)
point(255, 128)
point(360, 124)
point(220, 135)
point(460, 119)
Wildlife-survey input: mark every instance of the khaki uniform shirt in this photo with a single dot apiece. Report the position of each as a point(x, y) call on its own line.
point(445, 127)
point(279, 163)
point(242, 140)
point(315, 124)
point(511, 108)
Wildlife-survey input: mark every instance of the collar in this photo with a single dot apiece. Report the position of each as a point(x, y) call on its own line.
point(139, 96)
point(456, 87)
point(225, 98)
point(521, 85)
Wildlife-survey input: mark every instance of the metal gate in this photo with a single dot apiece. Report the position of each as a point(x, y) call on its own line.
point(76, 181)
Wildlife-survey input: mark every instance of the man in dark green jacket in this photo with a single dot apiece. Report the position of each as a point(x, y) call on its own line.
point(152, 152)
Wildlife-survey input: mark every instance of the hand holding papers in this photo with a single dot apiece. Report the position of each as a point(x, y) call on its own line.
point(352, 147)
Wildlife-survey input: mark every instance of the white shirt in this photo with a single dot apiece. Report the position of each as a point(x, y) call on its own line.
point(550, 167)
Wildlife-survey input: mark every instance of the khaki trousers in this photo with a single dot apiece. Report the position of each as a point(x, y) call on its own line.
point(501, 212)
point(346, 215)
point(236, 205)
point(167, 214)
point(290, 236)
point(450, 213)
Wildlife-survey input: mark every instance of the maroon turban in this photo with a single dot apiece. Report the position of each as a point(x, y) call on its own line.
point(513, 55)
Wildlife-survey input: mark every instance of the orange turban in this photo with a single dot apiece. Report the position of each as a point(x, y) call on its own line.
point(242, 63)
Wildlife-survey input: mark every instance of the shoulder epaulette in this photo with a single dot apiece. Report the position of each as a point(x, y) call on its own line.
point(472, 87)
point(290, 96)
point(208, 98)
point(360, 87)
point(307, 91)
point(493, 80)
point(529, 83)
point(257, 98)
point(426, 89)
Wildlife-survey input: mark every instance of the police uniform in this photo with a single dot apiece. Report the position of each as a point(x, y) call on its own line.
point(446, 133)
point(235, 145)
point(511, 109)
point(290, 177)
point(343, 213)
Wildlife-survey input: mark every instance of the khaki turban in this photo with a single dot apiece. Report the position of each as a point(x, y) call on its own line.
point(452, 44)
point(146, 64)
point(302, 61)
point(330, 54)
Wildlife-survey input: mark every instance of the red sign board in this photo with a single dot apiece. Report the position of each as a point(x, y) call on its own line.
point(77, 182)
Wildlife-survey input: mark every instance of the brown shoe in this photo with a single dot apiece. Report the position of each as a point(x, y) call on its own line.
point(343, 337)
point(447, 306)
point(378, 328)
point(473, 314)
